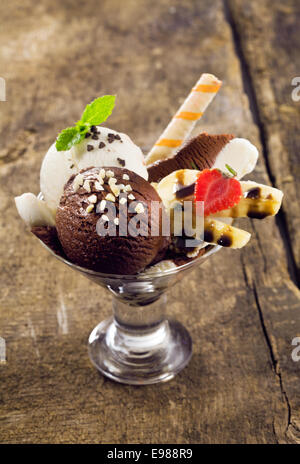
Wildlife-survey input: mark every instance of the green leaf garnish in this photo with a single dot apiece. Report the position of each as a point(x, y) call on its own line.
point(94, 114)
point(193, 165)
point(67, 138)
point(98, 111)
point(231, 170)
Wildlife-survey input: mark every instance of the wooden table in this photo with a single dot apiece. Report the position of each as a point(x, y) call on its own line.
point(242, 308)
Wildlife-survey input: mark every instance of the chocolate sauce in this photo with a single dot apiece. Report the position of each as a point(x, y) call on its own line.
point(181, 190)
point(208, 236)
point(225, 240)
point(254, 193)
point(184, 191)
point(258, 214)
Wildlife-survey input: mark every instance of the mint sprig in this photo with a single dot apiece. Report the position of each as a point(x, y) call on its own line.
point(94, 114)
point(67, 138)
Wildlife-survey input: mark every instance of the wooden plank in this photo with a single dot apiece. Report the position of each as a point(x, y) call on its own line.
point(268, 35)
point(269, 43)
point(150, 54)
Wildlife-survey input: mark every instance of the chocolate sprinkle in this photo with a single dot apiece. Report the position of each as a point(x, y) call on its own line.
point(93, 129)
point(101, 145)
point(95, 137)
point(121, 161)
point(110, 138)
point(88, 134)
point(90, 147)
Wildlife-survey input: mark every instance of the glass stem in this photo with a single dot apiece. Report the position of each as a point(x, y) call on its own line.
point(140, 328)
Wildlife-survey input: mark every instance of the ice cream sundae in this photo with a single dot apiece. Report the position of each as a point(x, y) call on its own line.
point(106, 207)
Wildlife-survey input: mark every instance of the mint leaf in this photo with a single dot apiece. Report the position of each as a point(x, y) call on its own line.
point(94, 114)
point(98, 111)
point(67, 138)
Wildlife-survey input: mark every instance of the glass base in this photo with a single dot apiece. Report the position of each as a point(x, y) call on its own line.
point(140, 357)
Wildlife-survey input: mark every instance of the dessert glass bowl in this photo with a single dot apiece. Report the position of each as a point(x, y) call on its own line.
point(139, 344)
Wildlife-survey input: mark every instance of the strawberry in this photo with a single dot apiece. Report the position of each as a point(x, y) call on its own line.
point(217, 190)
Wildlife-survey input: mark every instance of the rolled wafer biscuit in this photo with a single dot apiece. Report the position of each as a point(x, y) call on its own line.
point(185, 119)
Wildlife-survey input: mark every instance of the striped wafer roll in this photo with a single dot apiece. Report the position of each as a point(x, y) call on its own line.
point(185, 119)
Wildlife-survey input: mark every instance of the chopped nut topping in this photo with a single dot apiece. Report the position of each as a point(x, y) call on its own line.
point(101, 174)
point(104, 218)
point(102, 205)
point(92, 198)
point(77, 182)
point(98, 185)
point(131, 197)
point(109, 173)
point(125, 176)
point(139, 208)
point(87, 185)
point(115, 190)
point(123, 200)
point(112, 181)
point(90, 208)
point(110, 197)
point(127, 188)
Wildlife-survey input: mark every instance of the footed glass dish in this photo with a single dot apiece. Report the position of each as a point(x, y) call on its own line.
point(140, 344)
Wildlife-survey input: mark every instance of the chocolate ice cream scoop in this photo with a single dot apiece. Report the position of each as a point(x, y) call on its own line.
point(107, 221)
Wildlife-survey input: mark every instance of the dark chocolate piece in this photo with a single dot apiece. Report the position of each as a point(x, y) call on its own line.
point(121, 161)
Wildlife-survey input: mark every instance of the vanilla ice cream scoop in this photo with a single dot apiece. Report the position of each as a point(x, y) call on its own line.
point(102, 147)
point(239, 154)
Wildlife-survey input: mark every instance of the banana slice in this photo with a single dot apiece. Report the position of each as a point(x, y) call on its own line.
point(219, 233)
point(261, 191)
point(179, 185)
point(259, 201)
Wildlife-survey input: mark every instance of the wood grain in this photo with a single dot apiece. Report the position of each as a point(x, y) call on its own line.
point(269, 43)
point(242, 308)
